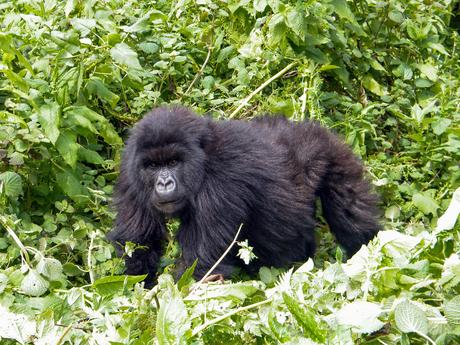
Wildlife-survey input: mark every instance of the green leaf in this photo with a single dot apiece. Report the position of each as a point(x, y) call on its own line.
point(425, 203)
point(11, 184)
point(68, 147)
point(49, 118)
point(50, 268)
point(96, 86)
point(342, 9)
point(266, 275)
point(452, 311)
point(34, 284)
point(172, 320)
point(305, 318)
point(108, 286)
point(396, 16)
point(440, 125)
point(372, 85)
point(259, 5)
point(71, 185)
point(429, 71)
point(89, 156)
point(392, 212)
point(277, 29)
point(360, 316)
point(410, 318)
point(187, 277)
point(124, 55)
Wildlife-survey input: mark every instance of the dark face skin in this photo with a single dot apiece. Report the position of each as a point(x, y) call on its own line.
point(163, 173)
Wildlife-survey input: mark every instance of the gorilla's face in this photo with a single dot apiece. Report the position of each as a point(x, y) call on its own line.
point(165, 179)
point(168, 159)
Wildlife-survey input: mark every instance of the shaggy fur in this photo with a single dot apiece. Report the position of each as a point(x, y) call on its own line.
point(264, 173)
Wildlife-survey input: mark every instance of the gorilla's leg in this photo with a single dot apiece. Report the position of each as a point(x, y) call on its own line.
point(348, 203)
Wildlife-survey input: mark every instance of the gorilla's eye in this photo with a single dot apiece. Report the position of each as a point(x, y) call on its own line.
point(172, 163)
point(151, 165)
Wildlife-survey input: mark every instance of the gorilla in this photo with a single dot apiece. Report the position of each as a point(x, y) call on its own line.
point(216, 175)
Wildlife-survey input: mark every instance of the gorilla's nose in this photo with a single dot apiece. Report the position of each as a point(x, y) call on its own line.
point(165, 185)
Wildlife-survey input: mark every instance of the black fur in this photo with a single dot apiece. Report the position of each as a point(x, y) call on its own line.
point(264, 173)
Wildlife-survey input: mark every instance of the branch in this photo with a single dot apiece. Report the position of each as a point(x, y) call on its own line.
point(223, 317)
point(245, 101)
point(218, 261)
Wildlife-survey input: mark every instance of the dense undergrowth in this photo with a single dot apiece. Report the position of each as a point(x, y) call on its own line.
point(75, 75)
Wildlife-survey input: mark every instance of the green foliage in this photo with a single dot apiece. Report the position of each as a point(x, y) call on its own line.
point(76, 74)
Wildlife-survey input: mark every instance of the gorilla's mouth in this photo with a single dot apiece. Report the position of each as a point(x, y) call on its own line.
point(170, 206)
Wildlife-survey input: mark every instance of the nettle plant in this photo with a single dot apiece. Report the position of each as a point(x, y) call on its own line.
point(76, 75)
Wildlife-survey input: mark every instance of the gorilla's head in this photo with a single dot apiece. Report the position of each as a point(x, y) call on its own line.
point(169, 159)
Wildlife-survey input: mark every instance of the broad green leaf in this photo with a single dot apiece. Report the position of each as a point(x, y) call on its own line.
point(68, 147)
point(187, 277)
point(372, 85)
point(124, 55)
point(49, 118)
point(396, 16)
point(452, 310)
point(440, 125)
point(259, 5)
point(392, 212)
point(75, 119)
point(89, 156)
point(410, 318)
point(305, 318)
point(172, 319)
point(11, 184)
point(34, 284)
point(425, 203)
point(108, 286)
point(360, 316)
point(50, 268)
point(266, 275)
point(342, 9)
point(72, 270)
point(429, 71)
point(97, 87)
point(109, 134)
point(71, 185)
point(277, 29)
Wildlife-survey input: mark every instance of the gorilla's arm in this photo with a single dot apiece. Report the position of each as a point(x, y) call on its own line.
point(138, 223)
point(218, 210)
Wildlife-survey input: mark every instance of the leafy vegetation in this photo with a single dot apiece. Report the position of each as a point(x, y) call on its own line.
point(76, 74)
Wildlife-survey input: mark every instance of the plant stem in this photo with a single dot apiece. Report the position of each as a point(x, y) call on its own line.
point(223, 317)
point(90, 266)
point(220, 259)
point(245, 101)
point(16, 239)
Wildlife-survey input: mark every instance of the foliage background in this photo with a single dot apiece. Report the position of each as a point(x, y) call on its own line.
point(75, 75)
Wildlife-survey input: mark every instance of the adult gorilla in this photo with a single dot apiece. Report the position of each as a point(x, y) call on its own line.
point(216, 175)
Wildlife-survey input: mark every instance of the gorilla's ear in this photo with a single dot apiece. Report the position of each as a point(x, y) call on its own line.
point(206, 136)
